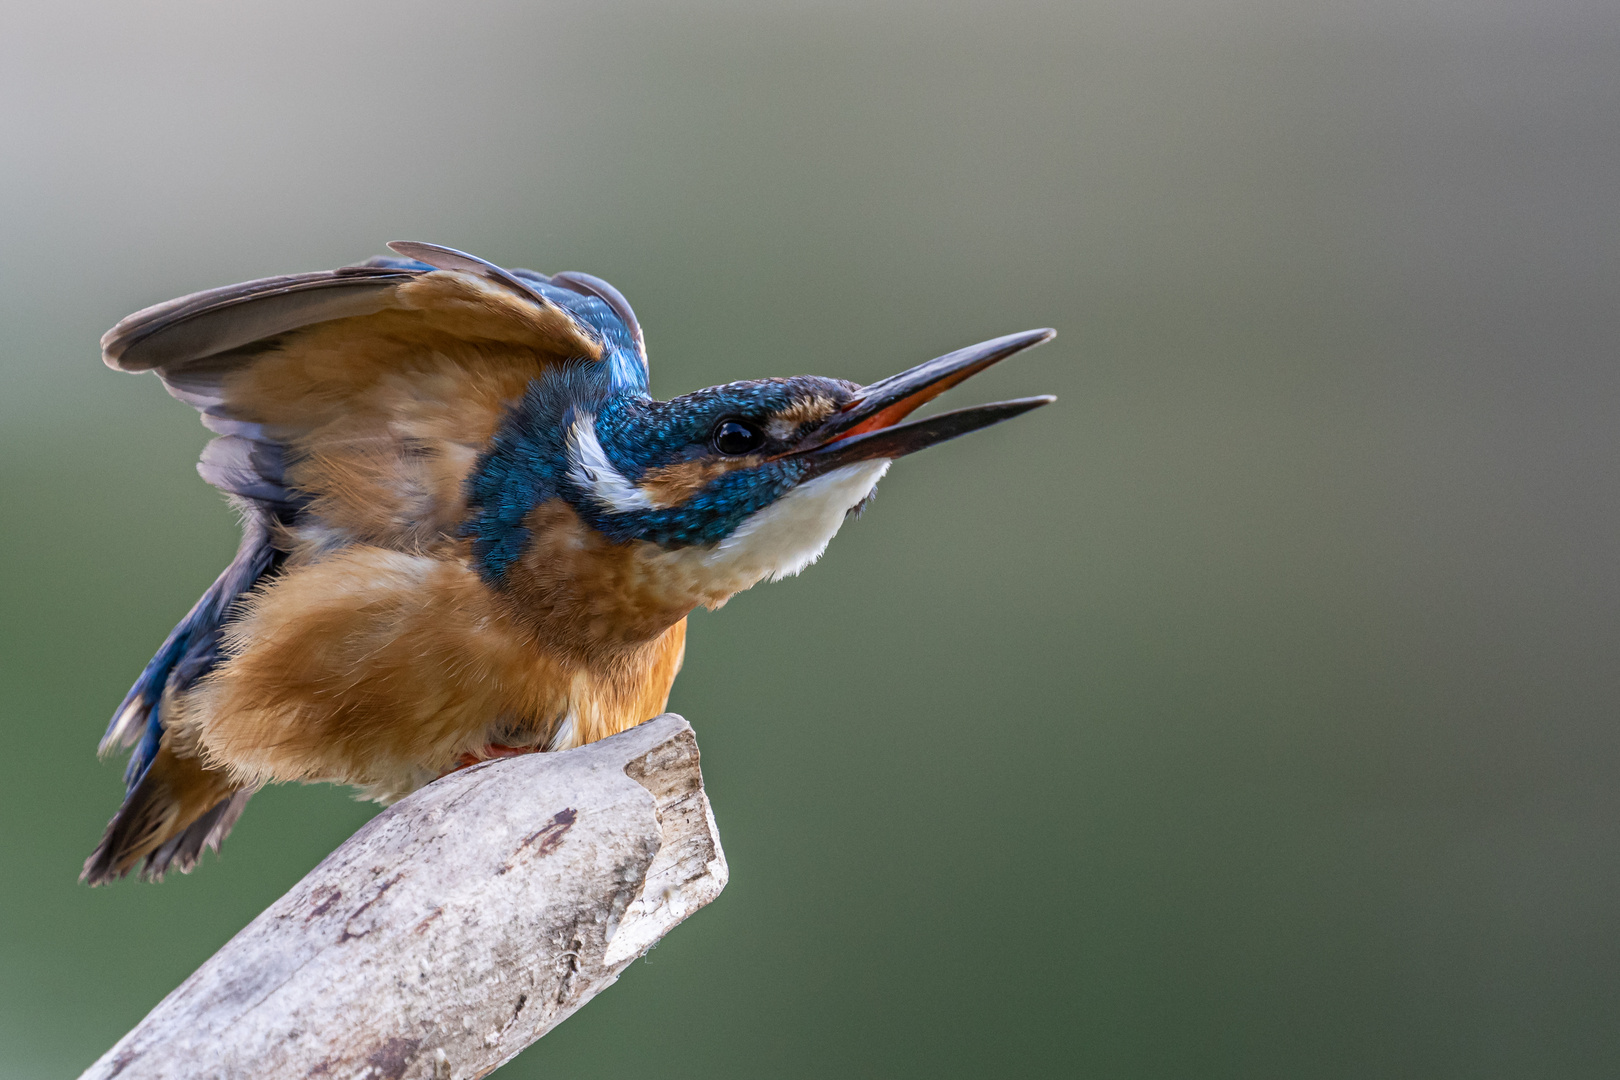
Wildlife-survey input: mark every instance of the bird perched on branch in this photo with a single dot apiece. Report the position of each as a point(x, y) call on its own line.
point(468, 530)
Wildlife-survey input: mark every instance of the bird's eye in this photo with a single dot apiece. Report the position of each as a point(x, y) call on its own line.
point(734, 437)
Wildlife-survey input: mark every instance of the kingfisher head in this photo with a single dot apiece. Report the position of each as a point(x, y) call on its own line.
point(722, 487)
point(737, 483)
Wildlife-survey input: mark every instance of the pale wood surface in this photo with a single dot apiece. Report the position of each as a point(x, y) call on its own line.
point(456, 927)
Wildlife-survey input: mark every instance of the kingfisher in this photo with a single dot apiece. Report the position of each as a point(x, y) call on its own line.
point(468, 529)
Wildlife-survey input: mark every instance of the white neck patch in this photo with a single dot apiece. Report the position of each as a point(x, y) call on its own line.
point(592, 471)
point(791, 533)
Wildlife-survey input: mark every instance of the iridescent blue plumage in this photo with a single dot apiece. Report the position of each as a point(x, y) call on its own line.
point(521, 469)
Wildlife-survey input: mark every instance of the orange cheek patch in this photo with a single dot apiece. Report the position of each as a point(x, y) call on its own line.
point(671, 485)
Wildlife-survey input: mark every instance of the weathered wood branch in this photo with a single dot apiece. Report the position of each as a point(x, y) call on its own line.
point(456, 927)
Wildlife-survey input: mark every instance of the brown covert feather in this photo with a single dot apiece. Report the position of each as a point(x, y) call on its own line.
point(384, 415)
point(318, 374)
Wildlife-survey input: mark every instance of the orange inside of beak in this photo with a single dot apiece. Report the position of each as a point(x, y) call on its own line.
point(899, 410)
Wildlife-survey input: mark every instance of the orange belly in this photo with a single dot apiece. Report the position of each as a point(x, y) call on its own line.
point(379, 668)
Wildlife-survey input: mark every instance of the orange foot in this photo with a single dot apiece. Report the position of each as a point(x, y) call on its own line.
point(492, 750)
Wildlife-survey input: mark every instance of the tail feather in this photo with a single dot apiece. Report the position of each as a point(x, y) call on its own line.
point(181, 852)
point(176, 810)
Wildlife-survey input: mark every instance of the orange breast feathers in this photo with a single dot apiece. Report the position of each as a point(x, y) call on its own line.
point(379, 668)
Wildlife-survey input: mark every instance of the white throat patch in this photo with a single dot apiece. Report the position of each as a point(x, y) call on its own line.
point(590, 468)
point(791, 533)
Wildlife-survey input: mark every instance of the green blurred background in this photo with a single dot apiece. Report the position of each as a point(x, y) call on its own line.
point(1251, 712)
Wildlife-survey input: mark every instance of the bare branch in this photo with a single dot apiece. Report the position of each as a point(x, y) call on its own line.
point(456, 927)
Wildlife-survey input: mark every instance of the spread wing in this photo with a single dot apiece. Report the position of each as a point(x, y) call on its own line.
point(350, 406)
point(357, 399)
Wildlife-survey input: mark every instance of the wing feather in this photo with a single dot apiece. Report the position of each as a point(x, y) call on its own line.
point(249, 468)
point(170, 334)
point(363, 393)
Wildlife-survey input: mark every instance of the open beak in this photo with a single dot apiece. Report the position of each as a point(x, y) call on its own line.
point(869, 426)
